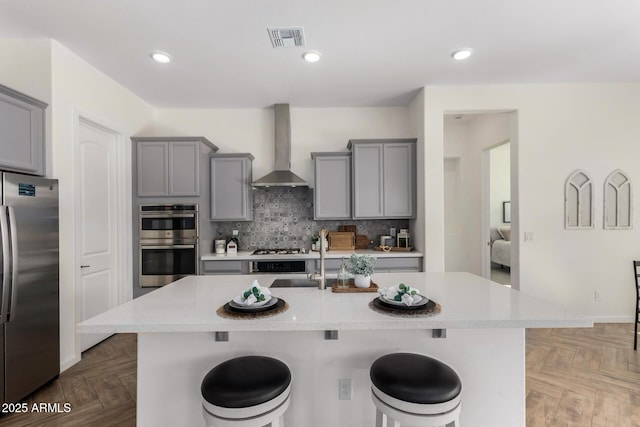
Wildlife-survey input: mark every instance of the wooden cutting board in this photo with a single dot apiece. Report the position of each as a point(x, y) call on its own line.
point(362, 241)
point(342, 240)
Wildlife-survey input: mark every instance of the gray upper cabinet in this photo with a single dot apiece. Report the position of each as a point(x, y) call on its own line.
point(169, 166)
point(399, 179)
point(384, 178)
point(231, 192)
point(22, 132)
point(332, 192)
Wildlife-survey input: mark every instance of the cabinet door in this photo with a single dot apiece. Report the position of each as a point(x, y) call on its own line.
point(184, 169)
point(231, 189)
point(225, 267)
point(399, 180)
point(153, 169)
point(367, 181)
point(390, 265)
point(22, 133)
point(332, 192)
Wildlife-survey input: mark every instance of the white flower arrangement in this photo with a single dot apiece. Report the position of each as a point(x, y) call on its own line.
point(362, 264)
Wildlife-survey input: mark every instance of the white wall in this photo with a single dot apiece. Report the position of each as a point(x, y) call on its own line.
point(312, 129)
point(26, 67)
point(79, 88)
point(561, 127)
point(499, 182)
point(416, 123)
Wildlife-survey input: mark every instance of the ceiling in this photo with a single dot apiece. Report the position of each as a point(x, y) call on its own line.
point(374, 52)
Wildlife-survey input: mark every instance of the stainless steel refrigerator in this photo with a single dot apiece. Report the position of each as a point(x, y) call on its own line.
point(29, 279)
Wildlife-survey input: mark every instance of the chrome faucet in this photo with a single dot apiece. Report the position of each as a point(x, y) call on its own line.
point(321, 278)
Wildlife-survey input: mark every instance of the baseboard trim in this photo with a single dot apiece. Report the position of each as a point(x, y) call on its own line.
point(69, 363)
point(613, 319)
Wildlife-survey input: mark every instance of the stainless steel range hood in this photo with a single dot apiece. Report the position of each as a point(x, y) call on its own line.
point(282, 175)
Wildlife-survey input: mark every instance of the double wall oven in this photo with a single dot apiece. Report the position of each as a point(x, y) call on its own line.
point(168, 243)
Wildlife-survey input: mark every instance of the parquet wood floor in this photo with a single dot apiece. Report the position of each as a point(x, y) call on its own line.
point(575, 377)
point(101, 390)
point(583, 377)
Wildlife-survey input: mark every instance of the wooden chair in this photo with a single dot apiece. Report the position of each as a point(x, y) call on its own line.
point(636, 274)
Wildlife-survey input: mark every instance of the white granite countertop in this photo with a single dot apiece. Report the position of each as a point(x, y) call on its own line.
point(246, 255)
point(468, 301)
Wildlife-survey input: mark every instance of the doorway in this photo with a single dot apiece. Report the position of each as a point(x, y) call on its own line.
point(469, 139)
point(497, 212)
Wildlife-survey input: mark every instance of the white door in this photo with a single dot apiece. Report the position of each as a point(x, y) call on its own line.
point(97, 225)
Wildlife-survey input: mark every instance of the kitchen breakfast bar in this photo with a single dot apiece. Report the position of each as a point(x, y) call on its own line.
point(325, 336)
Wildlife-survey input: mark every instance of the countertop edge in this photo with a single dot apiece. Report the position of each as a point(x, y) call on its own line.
point(247, 256)
point(391, 324)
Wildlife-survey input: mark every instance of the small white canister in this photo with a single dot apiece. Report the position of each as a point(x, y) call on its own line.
point(221, 246)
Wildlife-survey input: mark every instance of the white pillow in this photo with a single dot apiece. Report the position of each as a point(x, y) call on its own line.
point(505, 232)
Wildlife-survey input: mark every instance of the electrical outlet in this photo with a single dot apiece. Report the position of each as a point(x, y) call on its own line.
point(528, 236)
point(596, 296)
point(344, 389)
point(392, 231)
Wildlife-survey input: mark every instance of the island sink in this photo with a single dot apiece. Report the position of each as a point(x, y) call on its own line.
point(298, 283)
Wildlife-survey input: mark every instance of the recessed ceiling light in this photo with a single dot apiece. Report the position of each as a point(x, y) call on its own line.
point(461, 54)
point(311, 56)
point(162, 57)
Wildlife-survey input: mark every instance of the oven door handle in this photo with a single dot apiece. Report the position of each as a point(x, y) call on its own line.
point(167, 246)
point(165, 215)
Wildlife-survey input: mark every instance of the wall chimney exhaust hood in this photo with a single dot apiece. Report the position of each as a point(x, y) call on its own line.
point(282, 175)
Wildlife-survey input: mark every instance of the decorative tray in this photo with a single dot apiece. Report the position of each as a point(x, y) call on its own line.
point(352, 288)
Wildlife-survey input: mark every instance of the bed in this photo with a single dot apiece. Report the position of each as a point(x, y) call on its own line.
point(501, 246)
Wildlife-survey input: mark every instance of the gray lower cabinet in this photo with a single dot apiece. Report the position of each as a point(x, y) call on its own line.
point(21, 132)
point(225, 267)
point(383, 265)
point(231, 192)
point(332, 192)
point(169, 166)
point(384, 178)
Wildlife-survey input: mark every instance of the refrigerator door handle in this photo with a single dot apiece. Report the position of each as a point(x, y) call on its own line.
point(6, 266)
point(13, 230)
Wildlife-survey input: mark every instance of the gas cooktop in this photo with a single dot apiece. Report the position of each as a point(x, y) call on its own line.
point(292, 251)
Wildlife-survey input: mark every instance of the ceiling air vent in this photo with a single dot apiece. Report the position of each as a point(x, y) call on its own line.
point(286, 37)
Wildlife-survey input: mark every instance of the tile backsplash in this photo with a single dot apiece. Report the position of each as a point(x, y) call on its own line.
point(283, 218)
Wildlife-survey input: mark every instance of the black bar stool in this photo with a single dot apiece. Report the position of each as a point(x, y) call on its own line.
point(249, 391)
point(414, 389)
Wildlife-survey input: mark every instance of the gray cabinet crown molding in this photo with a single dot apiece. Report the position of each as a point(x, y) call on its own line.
point(200, 139)
point(22, 139)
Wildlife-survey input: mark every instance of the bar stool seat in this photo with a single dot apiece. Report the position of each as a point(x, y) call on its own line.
point(248, 391)
point(414, 389)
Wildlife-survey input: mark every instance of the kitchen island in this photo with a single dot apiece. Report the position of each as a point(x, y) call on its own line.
point(181, 337)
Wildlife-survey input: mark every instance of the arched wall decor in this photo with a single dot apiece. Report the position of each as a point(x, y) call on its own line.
point(578, 201)
point(618, 202)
